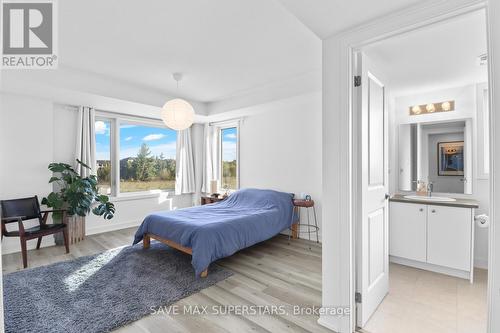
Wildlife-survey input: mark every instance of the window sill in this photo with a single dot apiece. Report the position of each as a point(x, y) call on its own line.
point(142, 195)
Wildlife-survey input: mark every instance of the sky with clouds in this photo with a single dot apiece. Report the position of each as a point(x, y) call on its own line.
point(159, 140)
point(229, 138)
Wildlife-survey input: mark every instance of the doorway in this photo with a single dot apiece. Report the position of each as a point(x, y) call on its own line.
point(420, 248)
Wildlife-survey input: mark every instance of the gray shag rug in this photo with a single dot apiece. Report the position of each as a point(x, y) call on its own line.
point(101, 292)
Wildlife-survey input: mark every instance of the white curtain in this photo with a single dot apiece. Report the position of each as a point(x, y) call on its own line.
point(184, 168)
point(211, 163)
point(85, 141)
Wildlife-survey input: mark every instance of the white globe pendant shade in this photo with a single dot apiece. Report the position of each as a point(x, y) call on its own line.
point(177, 114)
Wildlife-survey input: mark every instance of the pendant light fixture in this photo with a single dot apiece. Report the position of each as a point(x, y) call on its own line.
point(177, 113)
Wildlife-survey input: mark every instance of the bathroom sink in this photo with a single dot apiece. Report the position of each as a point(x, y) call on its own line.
point(425, 198)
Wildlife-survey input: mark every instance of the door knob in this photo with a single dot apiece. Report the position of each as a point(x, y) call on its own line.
point(387, 196)
point(433, 211)
point(421, 209)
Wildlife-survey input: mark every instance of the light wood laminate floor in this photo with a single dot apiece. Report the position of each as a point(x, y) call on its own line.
point(275, 273)
point(270, 273)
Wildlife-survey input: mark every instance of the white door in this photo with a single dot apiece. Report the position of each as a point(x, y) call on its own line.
point(372, 224)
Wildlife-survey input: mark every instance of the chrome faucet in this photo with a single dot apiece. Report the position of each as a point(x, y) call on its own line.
point(430, 188)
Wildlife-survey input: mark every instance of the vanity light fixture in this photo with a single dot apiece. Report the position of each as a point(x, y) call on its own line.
point(432, 108)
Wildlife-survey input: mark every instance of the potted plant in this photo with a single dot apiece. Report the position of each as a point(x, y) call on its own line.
point(76, 195)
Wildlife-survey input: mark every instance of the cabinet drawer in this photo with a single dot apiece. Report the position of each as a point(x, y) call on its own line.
point(408, 231)
point(449, 237)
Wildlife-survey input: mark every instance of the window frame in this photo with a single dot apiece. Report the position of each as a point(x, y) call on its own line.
point(105, 118)
point(116, 120)
point(220, 128)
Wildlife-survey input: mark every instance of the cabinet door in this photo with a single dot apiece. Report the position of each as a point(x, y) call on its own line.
point(449, 237)
point(408, 231)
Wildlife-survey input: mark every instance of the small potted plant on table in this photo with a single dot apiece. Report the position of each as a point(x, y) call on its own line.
point(77, 196)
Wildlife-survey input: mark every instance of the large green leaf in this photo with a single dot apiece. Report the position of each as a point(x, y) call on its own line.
point(77, 194)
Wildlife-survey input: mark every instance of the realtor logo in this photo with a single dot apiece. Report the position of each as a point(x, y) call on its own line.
point(28, 34)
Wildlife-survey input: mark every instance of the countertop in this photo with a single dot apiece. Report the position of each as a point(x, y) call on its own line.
point(460, 202)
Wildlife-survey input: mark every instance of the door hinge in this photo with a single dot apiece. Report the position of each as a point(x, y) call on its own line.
point(357, 297)
point(357, 81)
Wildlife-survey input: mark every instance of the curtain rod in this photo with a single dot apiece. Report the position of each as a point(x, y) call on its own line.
point(150, 118)
point(76, 107)
point(128, 115)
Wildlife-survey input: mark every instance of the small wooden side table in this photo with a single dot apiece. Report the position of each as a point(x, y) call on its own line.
point(205, 200)
point(308, 227)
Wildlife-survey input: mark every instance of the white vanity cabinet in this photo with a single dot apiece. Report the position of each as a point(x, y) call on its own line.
point(434, 237)
point(408, 231)
point(449, 236)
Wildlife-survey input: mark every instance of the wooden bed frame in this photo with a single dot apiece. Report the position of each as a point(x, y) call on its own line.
point(146, 242)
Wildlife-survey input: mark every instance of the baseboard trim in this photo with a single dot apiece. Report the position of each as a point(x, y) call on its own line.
point(430, 267)
point(93, 230)
point(325, 323)
point(481, 263)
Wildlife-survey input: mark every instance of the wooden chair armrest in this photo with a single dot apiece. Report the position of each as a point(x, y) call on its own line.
point(12, 218)
point(46, 214)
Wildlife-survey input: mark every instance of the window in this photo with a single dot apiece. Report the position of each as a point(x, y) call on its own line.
point(134, 155)
point(229, 158)
point(103, 155)
point(147, 158)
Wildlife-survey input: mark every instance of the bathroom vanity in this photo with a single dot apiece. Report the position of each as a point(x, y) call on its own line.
point(433, 235)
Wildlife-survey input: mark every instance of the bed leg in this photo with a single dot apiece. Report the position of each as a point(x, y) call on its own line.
point(146, 241)
point(204, 273)
point(295, 231)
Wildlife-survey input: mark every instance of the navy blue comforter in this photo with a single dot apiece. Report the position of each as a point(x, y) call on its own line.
point(218, 230)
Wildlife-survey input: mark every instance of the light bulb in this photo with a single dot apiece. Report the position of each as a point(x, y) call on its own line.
point(446, 106)
point(416, 109)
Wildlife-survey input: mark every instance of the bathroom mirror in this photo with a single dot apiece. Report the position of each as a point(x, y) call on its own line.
point(438, 152)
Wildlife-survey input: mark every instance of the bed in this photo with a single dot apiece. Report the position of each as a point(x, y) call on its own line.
point(218, 230)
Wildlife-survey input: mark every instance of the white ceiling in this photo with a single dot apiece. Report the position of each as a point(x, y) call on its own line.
point(227, 49)
point(327, 17)
point(223, 47)
point(436, 57)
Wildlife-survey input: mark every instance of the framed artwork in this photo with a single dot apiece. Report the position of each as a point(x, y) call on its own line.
point(451, 158)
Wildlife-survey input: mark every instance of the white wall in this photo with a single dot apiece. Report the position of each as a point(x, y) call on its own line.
point(36, 132)
point(465, 108)
point(280, 147)
point(26, 148)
